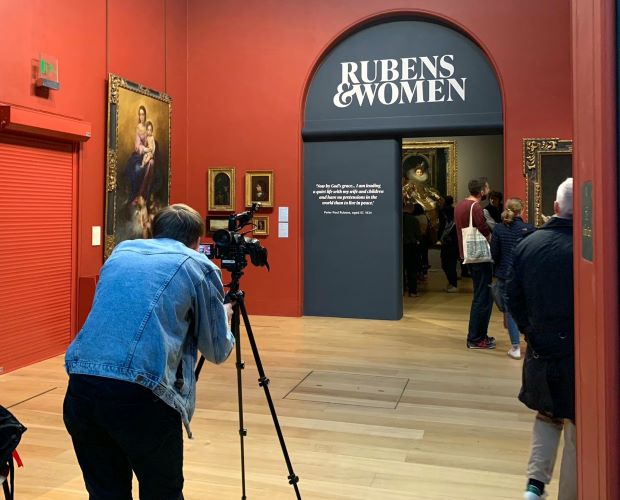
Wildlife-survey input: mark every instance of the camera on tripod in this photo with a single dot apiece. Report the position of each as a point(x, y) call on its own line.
point(231, 245)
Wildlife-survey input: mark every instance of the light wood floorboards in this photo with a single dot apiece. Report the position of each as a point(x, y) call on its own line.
point(428, 419)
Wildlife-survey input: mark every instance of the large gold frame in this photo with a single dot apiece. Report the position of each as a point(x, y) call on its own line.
point(428, 149)
point(534, 149)
point(113, 203)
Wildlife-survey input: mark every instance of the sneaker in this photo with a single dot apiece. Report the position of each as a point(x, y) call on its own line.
point(528, 495)
point(515, 352)
point(452, 289)
point(533, 493)
point(485, 343)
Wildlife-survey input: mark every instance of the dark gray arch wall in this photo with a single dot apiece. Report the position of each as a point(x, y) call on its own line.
point(389, 80)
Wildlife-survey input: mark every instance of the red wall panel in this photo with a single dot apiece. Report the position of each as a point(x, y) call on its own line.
point(137, 41)
point(250, 63)
point(176, 86)
point(144, 41)
point(596, 281)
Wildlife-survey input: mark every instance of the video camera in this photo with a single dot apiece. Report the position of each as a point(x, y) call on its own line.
point(231, 246)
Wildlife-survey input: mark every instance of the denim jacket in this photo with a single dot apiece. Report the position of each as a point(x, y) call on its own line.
point(157, 303)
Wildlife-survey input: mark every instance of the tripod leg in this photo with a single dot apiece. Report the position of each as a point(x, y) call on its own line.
point(263, 381)
point(240, 365)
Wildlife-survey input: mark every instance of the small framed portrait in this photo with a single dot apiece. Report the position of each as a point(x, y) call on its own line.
point(261, 225)
point(215, 222)
point(259, 188)
point(221, 189)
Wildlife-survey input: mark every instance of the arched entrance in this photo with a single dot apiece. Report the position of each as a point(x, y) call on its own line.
point(395, 79)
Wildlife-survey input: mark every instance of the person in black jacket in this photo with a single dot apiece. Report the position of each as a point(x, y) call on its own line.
point(411, 246)
point(540, 298)
point(449, 245)
point(506, 236)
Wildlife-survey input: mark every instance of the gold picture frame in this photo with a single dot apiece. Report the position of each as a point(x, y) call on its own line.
point(138, 159)
point(440, 160)
point(221, 189)
point(215, 223)
point(259, 188)
point(546, 163)
point(261, 225)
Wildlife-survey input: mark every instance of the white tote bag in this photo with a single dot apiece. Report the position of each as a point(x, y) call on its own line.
point(476, 248)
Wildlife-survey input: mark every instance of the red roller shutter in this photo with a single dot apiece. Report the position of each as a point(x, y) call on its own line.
point(37, 185)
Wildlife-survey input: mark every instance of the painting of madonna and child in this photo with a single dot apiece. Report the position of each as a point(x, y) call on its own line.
point(138, 159)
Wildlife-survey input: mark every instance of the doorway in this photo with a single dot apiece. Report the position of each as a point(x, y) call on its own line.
point(436, 171)
point(400, 78)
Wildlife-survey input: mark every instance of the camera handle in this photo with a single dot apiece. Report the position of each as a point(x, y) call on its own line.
point(236, 296)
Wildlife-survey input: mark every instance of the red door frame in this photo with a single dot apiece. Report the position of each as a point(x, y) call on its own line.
point(596, 282)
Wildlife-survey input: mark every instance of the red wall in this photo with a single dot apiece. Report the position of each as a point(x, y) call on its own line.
point(144, 41)
point(596, 282)
point(250, 63)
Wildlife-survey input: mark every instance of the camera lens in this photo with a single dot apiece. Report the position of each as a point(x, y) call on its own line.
point(222, 237)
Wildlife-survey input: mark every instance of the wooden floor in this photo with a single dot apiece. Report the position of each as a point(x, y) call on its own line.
point(369, 409)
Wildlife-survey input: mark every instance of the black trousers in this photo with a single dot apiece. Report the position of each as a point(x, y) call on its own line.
point(482, 303)
point(411, 266)
point(118, 427)
point(449, 258)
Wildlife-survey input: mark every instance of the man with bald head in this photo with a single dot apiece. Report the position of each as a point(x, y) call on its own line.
point(540, 298)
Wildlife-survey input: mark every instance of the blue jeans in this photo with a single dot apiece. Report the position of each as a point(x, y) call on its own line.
point(513, 329)
point(482, 303)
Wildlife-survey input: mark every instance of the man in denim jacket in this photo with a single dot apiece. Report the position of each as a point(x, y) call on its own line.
point(131, 367)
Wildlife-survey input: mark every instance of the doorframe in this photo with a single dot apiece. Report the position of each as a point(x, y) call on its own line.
point(597, 349)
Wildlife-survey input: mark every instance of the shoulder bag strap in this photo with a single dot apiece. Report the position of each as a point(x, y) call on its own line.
point(471, 214)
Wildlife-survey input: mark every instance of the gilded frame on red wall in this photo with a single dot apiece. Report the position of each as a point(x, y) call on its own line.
point(546, 163)
point(260, 224)
point(259, 188)
point(221, 189)
point(138, 159)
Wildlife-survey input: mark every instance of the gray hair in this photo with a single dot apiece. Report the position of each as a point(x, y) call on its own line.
point(564, 198)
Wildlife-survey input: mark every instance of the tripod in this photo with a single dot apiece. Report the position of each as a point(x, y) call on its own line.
point(236, 296)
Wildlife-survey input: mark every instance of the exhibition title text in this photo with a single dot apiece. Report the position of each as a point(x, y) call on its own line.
point(405, 80)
